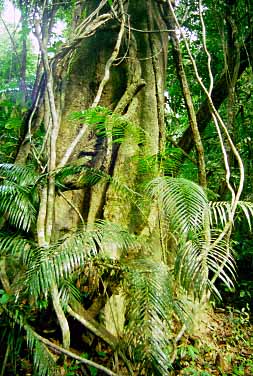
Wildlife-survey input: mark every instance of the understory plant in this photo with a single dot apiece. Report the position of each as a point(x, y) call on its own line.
point(158, 294)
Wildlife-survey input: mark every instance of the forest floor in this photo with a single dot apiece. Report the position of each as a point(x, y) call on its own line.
point(225, 349)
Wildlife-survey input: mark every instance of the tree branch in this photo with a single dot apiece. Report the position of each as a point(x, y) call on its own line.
point(73, 355)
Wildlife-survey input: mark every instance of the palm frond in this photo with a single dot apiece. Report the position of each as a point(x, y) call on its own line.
point(220, 211)
point(60, 260)
point(68, 291)
point(196, 263)
point(14, 244)
point(150, 301)
point(15, 203)
point(89, 176)
point(183, 202)
point(18, 195)
point(21, 175)
point(43, 361)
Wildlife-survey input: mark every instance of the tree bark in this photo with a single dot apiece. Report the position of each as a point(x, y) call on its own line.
point(136, 90)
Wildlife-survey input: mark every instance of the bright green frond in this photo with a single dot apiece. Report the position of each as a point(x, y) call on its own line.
point(183, 202)
point(150, 301)
point(196, 263)
point(43, 361)
point(69, 291)
point(59, 261)
point(15, 203)
point(16, 245)
point(20, 175)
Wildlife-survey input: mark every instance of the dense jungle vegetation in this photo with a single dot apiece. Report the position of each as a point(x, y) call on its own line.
point(126, 203)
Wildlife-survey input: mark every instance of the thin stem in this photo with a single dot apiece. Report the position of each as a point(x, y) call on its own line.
point(73, 355)
point(72, 206)
point(190, 109)
point(3, 275)
point(104, 81)
point(236, 196)
point(61, 317)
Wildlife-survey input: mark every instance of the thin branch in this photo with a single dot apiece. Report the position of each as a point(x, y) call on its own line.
point(109, 63)
point(104, 81)
point(205, 49)
point(93, 326)
point(72, 206)
point(3, 275)
point(73, 355)
point(12, 40)
point(215, 113)
point(189, 105)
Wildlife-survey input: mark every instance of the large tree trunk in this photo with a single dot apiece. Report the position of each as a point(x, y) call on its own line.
point(135, 90)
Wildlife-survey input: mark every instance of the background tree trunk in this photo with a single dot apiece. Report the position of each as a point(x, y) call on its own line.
point(144, 69)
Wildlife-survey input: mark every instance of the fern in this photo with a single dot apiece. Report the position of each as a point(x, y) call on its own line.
point(150, 301)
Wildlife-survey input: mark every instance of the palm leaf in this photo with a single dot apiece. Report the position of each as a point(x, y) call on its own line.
point(43, 361)
point(220, 211)
point(15, 203)
point(21, 175)
point(196, 262)
point(60, 260)
point(14, 244)
point(17, 198)
point(150, 301)
point(183, 202)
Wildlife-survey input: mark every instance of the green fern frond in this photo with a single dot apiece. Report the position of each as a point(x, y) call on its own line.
point(91, 115)
point(171, 161)
point(183, 202)
point(150, 301)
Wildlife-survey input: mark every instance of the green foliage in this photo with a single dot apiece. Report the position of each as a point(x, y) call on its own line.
point(59, 261)
point(150, 302)
point(44, 363)
point(18, 196)
point(183, 202)
point(185, 206)
point(106, 124)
